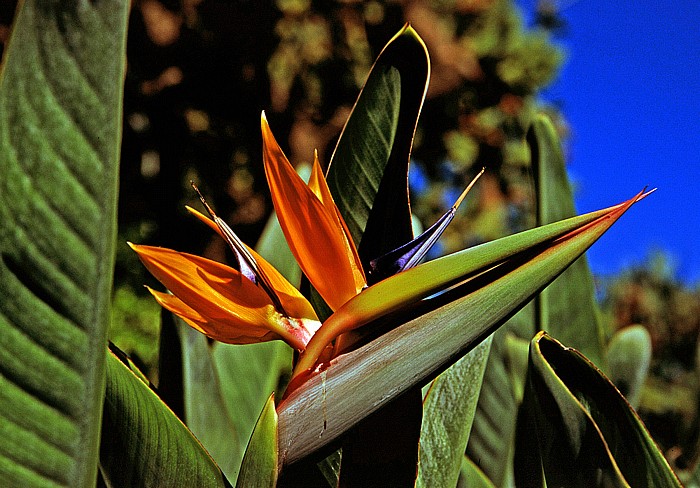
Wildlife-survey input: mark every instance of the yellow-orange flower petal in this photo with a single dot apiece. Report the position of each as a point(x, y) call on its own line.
point(319, 186)
point(216, 330)
point(313, 232)
point(221, 297)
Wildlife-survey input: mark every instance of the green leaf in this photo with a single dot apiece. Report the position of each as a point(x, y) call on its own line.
point(205, 411)
point(60, 121)
point(144, 443)
point(491, 441)
point(470, 476)
point(567, 308)
point(628, 358)
point(225, 388)
point(448, 412)
point(259, 468)
point(374, 148)
point(587, 434)
point(494, 280)
point(248, 374)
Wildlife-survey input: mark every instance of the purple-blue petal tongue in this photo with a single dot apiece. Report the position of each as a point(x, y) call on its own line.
point(410, 254)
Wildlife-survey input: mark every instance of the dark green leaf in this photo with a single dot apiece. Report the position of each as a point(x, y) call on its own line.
point(567, 307)
point(587, 434)
point(449, 408)
point(144, 443)
point(373, 153)
point(259, 468)
point(493, 432)
point(374, 147)
point(60, 120)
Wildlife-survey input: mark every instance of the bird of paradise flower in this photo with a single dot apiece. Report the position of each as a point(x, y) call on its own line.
point(255, 303)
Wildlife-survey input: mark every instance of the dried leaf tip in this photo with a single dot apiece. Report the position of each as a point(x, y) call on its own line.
point(458, 202)
point(209, 210)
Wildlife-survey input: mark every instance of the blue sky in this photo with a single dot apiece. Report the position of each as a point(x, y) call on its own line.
point(630, 89)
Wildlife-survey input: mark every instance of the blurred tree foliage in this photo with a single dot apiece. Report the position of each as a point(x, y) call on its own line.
point(200, 72)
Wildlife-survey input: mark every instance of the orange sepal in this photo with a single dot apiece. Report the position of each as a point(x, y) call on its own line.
point(319, 186)
point(313, 232)
point(217, 330)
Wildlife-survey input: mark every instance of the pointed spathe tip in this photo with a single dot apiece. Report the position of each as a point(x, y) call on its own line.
point(645, 193)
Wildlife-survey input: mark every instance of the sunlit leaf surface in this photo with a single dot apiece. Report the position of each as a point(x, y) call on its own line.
point(259, 468)
point(60, 122)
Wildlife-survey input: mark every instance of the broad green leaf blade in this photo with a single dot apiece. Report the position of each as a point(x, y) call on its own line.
point(567, 308)
point(588, 435)
point(448, 413)
point(60, 120)
point(144, 443)
point(356, 383)
point(373, 150)
point(205, 410)
point(491, 441)
point(247, 375)
point(628, 359)
point(259, 468)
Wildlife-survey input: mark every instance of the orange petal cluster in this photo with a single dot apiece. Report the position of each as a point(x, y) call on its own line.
point(225, 305)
